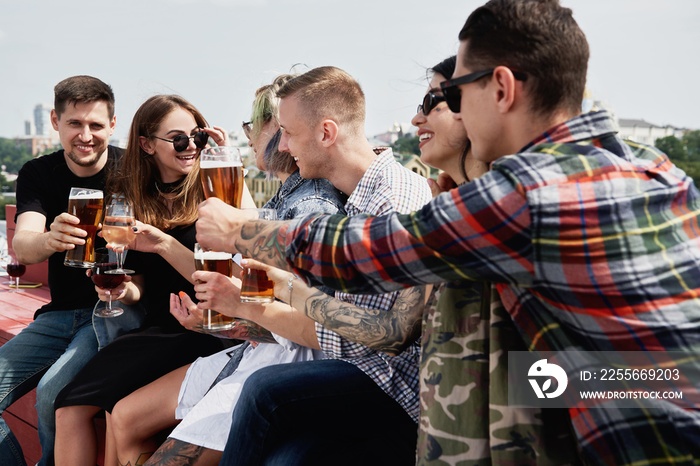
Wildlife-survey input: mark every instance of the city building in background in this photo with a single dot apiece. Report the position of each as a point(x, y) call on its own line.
point(645, 132)
point(39, 135)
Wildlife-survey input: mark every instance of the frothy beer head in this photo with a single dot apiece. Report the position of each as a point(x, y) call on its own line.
point(209, 164)
point(214, 261)
point(221, 171)
point(76, 193)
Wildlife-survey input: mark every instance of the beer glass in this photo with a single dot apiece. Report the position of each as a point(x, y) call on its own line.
point(214, 261)
point(221, 171)
point(117, 229)
point(86, 204)
point(257, 287)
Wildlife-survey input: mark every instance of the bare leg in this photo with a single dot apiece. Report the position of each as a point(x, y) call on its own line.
point(74, 427)
point(137, 418)
point(110, 446)
point(176, 452)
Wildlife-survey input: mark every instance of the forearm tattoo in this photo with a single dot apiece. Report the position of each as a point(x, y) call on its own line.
point(247, 330)
point(264, 241)
point(389, 331)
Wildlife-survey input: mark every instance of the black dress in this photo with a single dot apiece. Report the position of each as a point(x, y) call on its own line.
point(159, 346)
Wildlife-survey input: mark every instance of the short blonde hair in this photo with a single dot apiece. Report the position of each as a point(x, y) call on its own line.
point(328, 92)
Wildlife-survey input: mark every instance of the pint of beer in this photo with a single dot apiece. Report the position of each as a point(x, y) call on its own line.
point(256, 286)
point(221, 171)
point(86, 204)
point(213, 261)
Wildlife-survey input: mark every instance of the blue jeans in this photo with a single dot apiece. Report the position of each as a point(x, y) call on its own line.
point(46, 354)
point(318, 412)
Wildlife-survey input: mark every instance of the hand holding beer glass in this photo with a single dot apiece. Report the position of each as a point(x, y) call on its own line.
point(86, 204)
point(117, 229)
point(214, 261)
point(221, 171)
point(257, 287)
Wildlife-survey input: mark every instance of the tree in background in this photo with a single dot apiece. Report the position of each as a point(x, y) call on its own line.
point(691, 141)
point(685, 152)
point(673, 147)
point(406, 145)
point(12, 155)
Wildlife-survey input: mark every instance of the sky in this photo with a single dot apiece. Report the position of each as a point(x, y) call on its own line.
point(216, 53)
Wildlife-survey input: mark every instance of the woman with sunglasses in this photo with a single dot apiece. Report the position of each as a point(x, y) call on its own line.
point(137, 418)
point(159, 174)
point(443, 140)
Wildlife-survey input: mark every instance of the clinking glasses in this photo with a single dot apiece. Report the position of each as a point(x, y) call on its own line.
point(453, 95)
point(430, 101)
point(182, 141)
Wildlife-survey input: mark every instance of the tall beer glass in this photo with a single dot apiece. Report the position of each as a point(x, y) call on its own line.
point(221, 171)
point(87, 205)
point(213, 261)
point(256, 286)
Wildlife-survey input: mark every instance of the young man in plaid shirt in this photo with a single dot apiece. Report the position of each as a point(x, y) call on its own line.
point(359, 392)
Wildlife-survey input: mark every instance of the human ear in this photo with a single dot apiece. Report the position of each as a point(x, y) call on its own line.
point(54, 119)
point(329, 132)
point(506, 92)
point(147, 145)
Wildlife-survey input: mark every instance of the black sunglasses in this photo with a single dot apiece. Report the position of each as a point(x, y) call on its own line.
point(430, 101)
point(182, 141)
point(247, 128)
point(453, 95)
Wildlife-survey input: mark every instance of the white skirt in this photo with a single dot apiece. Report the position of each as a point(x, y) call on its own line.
point(206, 414)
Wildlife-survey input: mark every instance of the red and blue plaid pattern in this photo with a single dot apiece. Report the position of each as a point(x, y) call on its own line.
point(594, 243)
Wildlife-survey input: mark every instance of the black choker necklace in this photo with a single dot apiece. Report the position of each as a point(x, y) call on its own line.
point(167, 188)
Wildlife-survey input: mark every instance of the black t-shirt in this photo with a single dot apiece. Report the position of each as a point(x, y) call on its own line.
point(161, 279)
point(43, 186)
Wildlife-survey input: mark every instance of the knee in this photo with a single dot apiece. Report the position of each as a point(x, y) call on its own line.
point(122, 419)
point(65, 417)
point(70, 417)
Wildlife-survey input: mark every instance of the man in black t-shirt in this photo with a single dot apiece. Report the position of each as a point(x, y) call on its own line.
point(60, 340)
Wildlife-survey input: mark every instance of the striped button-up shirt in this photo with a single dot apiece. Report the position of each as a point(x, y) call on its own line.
point(594, 244)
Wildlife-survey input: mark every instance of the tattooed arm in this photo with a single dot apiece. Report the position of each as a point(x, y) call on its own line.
point(388, 331)
point(221, 227)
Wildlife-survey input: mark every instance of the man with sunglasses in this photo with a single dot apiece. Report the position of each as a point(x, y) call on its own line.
point(60, 340)
point(593, 241)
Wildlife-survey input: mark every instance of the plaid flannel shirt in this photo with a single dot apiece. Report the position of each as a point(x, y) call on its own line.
point(593, 242)
point(385, 187)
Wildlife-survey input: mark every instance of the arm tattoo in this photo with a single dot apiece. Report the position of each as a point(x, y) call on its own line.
point(176, 452)
point(390, 331)
point(247, 330)
point(264, 241)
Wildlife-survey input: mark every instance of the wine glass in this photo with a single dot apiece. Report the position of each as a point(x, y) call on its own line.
point(104, 276)
point(14, 270)
point(117, 229)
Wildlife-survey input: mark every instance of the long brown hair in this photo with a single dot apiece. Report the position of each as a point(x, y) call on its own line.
point(138, 174)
